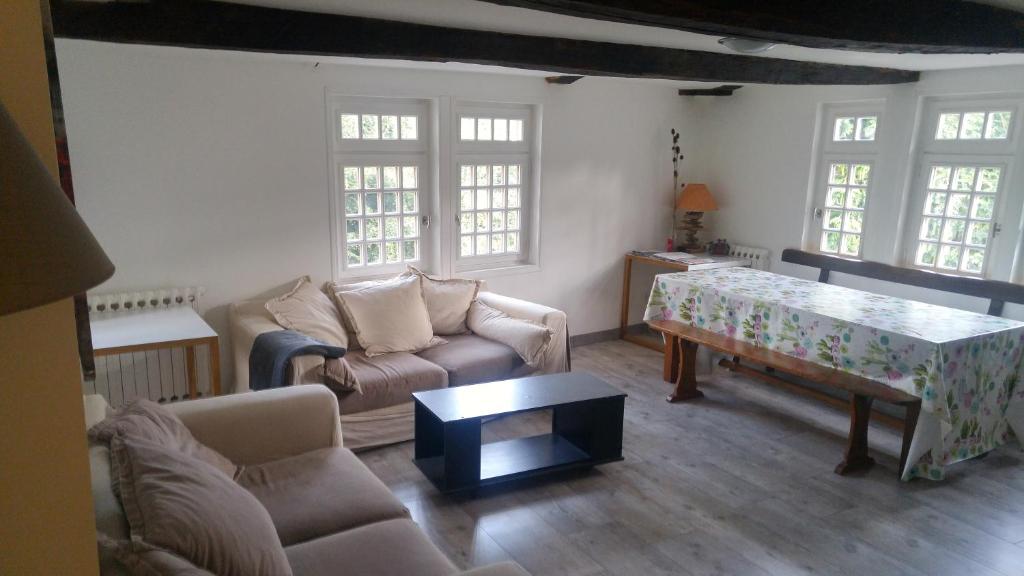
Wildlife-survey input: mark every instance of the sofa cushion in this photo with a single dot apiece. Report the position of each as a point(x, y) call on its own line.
point(188, 507)
point(471, 359)
point(319, 493)
point(389, 548)
point(308, 310)
point(447, 302)
point(529, 339)
point(389, 317)
point(388, 380)
point(148, 420)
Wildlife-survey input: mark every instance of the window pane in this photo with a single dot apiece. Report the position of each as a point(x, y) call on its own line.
point(371, 177)
point(988, 180)
point(843, 130)
point(483, 199)
point(949, 127)
point(830, 242)
point(410, 202)
point(512, 242)
point(515, 130)
point(958, 205)
point(977, 233)
point(466, 224)
point(354, 255)
point(497, 220)
point(513, 220)
point(513, 198)
point(498, 198)
point(853, 222)
point(409, 177)
point(998, 126)
point(851, 244)
point(483, 246)
point(389, 127)
point(984, 206)
point(483, 222)
point(373, 231)
point(861, 174)
point(857, 198)
point(466, 246)
point(466, 199)
point(410, 250)
point(483, 128)
point(483, 176)
point(353, 230)
point(931, 228)
point(409, 128)
point(836, 197)
point(935, 204)
point(352, 178)
point(350, 126)
point(833, 219)
point(513, 174)
point(500, 129)
point(467, 128)
point(949, 257)
point(838, 173)
point(390, 177)
point(926, 254)
point(498, 175)
point(939, 179)
point(373, 254)
point(372, 200)
point(352, 204)
point(953, 231)
point(392, 229)
point(970, 129)
point(410, 227)
point(391, 202)
point(393, 252)
point(866, 128)
point(497, 243)
point(963, 178)
point(370, 127)
point(974, 260)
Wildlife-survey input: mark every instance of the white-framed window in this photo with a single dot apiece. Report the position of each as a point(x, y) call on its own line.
point(845, 177)
point(492, 156)
point(960, 190)
point(382, 185)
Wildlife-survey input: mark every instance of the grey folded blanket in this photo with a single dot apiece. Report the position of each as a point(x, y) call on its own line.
point(270, 359)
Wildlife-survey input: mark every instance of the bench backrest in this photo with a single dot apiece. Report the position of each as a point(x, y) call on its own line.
point(996, 291)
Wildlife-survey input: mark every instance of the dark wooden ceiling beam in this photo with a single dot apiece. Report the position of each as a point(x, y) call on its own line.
point(922, 26)
point(723, 90)
point(226, 26)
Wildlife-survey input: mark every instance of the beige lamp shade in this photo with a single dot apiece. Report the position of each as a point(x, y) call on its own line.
point(46, 251)
point(696, 198)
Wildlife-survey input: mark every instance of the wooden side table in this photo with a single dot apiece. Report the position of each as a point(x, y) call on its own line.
point(179, 327)
point(627, 279)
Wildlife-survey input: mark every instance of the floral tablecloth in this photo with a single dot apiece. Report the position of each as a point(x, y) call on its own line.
point(965, 367)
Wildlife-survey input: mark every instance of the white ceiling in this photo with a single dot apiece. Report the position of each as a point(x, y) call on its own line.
point(473, 14)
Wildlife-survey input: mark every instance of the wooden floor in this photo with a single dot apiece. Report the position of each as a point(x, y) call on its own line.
point(737, 483)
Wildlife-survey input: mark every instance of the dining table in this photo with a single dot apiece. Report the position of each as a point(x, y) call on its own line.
point(965, 367)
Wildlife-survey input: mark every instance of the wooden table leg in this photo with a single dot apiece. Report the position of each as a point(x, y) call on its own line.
point(627, 274)
point(857, 448)
point(686, 379)
point(215, 366)
point(909, 426)
point(670, 372)
point(190, 370)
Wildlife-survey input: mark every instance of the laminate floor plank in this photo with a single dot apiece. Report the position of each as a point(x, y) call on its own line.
point(737, 483)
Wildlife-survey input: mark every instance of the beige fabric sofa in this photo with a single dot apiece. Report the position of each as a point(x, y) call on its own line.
point(333, 516)
point(383, 412)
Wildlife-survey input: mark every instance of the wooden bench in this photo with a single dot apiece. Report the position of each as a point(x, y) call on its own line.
point(683, 340)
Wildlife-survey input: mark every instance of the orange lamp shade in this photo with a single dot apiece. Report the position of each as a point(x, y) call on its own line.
point(696, 198)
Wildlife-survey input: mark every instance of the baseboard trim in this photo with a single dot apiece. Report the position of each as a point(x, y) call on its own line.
point(577, 340)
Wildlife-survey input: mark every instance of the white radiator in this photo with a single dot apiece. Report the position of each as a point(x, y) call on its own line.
point(159, 375)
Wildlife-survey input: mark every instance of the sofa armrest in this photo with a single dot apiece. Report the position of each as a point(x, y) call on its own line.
point(248, 320)
point(499, 569)
point(556, 358)
point(257, 427)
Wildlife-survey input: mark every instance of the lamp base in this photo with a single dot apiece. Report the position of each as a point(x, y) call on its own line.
point(691, 226)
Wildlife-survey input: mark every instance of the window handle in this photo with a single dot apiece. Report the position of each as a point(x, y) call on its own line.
point(425, 221)
point(996, 228)
point(819, 213)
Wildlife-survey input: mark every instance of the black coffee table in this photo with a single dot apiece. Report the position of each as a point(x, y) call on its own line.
point(586, 429)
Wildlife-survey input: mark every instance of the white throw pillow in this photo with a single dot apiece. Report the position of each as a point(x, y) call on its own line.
point(308, 310)
point(332, 289)
point(528, 338)
point(447, 302)
point(388, 317)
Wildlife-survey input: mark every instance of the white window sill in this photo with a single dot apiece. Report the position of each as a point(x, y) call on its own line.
point(498, 271)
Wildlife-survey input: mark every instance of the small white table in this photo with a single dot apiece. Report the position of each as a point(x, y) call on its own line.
point(179, 327)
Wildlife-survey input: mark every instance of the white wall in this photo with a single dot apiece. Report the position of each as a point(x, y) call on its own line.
point(210, 168)
point(755, 153)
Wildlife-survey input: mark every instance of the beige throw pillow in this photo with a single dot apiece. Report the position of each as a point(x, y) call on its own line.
point(308, 310)
point(447, 302)
point(332, 288)
point(185, 506)
point(148, 420)
point(529, 339)
point(388, 317)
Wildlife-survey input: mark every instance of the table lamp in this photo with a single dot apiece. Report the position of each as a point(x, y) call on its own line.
point(693, 201)
point(47, 253)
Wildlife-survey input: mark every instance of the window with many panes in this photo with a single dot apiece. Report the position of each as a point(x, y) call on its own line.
point(960, 185)
point(845, 178)
point(382, 184)
point(492, 164)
